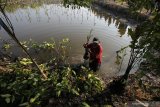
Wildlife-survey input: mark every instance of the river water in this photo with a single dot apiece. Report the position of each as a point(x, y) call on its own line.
point(43, 21)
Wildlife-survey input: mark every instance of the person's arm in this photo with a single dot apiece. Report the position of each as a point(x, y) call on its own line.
point(85, 45)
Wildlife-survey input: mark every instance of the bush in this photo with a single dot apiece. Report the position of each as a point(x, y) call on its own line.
point(24, 86)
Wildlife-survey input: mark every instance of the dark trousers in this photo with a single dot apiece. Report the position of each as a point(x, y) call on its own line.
point(94, 65)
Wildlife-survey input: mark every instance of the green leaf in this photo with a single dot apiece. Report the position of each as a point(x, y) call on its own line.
point(34, 83)
point(6, 46)
point(13, 99)
point(24, 104)
point(84, 104)
point(25, 81)
point(59, 93)
point(89, 75)
point(7, 100)
point(75, 92)
point(32, 100)
point(25, 61)
point(5, 95)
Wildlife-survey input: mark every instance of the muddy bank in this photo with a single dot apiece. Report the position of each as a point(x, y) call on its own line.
point(120, 11)
point(115, 93)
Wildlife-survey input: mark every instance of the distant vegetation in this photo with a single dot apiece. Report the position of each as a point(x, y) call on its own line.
point(13, 5)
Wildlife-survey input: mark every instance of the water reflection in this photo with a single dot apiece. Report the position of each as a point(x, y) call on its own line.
point(45, 19)
point(122, 27)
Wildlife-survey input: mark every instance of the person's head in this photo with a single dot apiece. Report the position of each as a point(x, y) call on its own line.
point(96, 40)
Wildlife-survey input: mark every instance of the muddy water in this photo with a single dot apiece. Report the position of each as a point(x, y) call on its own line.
point(53, 20)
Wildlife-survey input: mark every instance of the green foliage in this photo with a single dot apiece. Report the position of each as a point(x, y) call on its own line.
point(88, 82)
point(75, 3)
point(24, 86)
point(25, 61)
point(139, 5)
point(84, 104)
point(6, 46)
point(13, 5)
point(145, 44)
point(31, 89)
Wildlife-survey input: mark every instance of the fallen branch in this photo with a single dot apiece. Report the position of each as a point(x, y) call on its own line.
point(143, 104)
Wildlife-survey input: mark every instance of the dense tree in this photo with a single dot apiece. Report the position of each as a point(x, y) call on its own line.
point(145, 44)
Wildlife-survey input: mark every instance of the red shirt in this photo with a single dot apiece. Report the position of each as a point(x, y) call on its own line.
point(95, 51)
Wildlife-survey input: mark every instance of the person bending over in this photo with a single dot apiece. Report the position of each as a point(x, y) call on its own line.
point(95, 54)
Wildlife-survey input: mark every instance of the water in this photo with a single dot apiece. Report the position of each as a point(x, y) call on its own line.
point(52, 20)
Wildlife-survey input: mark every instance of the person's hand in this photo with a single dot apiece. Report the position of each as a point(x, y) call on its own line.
point(85, 45)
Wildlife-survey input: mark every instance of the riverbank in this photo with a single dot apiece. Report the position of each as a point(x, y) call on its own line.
point(144, 84)
point(138, 90)
point(87, 85)
point(120, 11)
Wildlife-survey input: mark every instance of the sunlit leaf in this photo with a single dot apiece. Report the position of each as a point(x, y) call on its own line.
point(7, 100)
point(6, 46)
point(89, 75)
point(84, 104)
point(24, 104)
point(25, 61)
point(5, 95)
point(75, 92)
point(58, 93)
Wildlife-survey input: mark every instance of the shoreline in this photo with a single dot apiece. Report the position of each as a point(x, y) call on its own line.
point(121, 12)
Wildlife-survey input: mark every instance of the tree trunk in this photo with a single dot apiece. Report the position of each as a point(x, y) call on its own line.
point(125, 76)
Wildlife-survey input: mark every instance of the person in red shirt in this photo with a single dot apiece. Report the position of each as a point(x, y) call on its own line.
point(95, 54)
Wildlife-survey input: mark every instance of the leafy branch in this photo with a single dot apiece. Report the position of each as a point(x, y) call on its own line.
point(8, 27)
